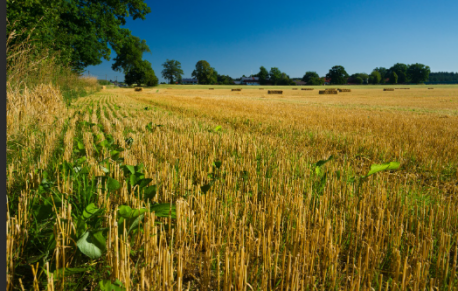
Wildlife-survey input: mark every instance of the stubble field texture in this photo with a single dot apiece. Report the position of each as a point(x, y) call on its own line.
point(195, 189)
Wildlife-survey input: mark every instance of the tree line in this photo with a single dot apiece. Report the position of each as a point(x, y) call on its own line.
point(398, 73)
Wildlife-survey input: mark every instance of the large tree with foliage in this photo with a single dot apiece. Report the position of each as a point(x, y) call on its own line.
point(375, 77)
point(309, 75)
point(383, 74)
point(359, 78)
point(275, 75)
point(263, 75)
point(418, 73)
point(400, 70)
point(393, 77)
point(79, 30)
point(204, 73)
point(172, 70)
point(338, 75)
point(142, 74)
point(224, 80)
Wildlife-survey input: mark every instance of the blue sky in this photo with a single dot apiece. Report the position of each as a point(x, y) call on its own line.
point(237, 37)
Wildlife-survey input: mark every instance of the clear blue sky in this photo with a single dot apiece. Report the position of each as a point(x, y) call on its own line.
point(237, 37)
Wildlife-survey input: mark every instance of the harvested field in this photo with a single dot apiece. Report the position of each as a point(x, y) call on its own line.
point(238, 192)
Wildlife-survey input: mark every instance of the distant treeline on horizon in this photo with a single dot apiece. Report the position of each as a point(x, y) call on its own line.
point(443, 78)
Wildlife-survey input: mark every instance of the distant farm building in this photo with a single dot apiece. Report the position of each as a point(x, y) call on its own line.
point(299, 82)
point(253, 81)
point(189, 81)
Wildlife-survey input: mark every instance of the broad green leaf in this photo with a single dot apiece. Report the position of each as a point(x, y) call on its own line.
point(205, 188)
point(124, 211)
point(150, 191)
point(144, 182)
point(217, 164)
point(89, 245)
point(163, 209)
point(375, 168)
point(135, 223)
point(113, 184)
point(322, 162)
point(131, 169)
point(80, 145)
point(89, 211)
point(106, 285)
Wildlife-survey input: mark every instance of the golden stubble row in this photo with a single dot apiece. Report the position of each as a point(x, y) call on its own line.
point(267, 230)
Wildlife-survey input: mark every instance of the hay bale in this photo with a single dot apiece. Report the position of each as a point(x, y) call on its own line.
point(211, 88)
point(294, 88)
point(104, 87)
point(261, 88)
point(328, 92)
point(237, 89)
point(430, 88)
point(138, 89)
point(344, 90)
point(307, 89)
point(388, 89)
point(275, 92)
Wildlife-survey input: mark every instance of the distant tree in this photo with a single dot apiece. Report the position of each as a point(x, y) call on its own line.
point(418, 73)
point(224, 80)
point(375, 77)
point(214, 77)
point(203, 72)
point(172, 70)
point(358, 80)
point(363, 76)
point(383, 74)
point(338, 75)
point(393, 77)
point(275, 75)
point(315, 81)
point(308, 75)
point(141, 74)
point(401, 71)
point(443, 77)
point(263, 75)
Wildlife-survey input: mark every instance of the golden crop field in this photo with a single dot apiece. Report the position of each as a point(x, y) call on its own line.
point(197, 189)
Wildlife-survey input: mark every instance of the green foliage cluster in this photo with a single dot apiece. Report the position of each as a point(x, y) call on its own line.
point(78, 31)
point(172, 71)
point(90, 236)
point(338, 75)
point(204, 73)
point(443, 78)
point(312, 78)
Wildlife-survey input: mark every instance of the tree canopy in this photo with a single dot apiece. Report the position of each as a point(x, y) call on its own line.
point(172, 70)
point(418, 73)
point(79, 30)
point(375, 77)
point(338, 75)
point(204, 73)
point(141, 74)
point(263, 75)
point(275, 75)
point(401, 71)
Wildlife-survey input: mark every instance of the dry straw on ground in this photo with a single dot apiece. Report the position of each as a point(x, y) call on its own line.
point(271, 219)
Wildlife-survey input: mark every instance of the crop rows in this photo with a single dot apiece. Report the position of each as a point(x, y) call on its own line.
point(148, 193)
